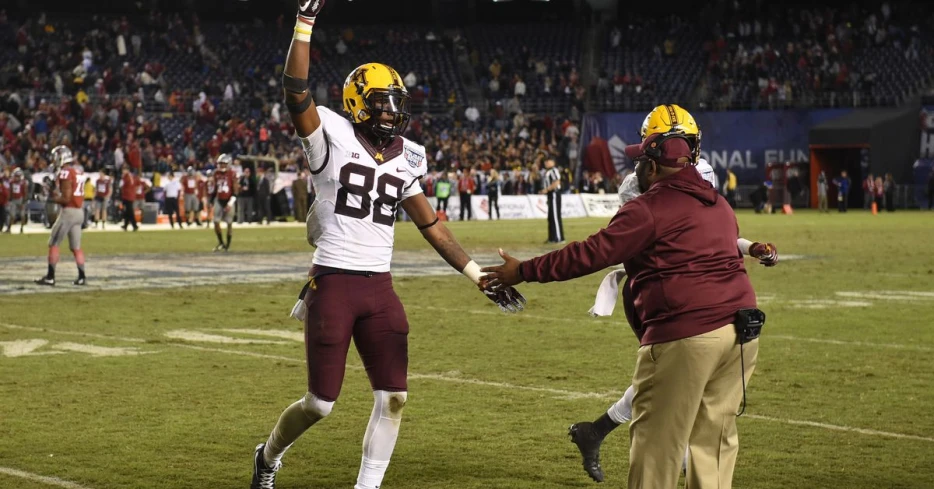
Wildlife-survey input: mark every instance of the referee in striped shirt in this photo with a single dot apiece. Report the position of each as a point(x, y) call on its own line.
point(553, 190)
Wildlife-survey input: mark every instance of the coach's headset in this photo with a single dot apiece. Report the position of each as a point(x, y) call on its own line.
point(653, 151)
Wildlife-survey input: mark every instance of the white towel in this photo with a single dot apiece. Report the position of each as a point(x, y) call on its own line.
point(299, 310)
point(607, 294)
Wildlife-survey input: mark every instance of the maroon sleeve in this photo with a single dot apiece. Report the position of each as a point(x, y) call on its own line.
point(630, 232)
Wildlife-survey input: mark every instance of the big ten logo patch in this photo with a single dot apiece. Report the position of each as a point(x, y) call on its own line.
point(352, 155)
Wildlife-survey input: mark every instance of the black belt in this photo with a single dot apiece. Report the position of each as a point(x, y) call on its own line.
point(320, 271)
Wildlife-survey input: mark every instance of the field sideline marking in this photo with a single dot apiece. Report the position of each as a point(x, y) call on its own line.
point(579, 395)
point(73, 333)
point(586, 319)
point(52, 481)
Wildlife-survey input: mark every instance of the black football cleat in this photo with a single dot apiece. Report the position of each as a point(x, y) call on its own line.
point(46, 281)
point(588, 443)
point(81, 281)
point(263, 477)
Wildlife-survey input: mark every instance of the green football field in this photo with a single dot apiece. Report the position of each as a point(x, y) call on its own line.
point(136, 382)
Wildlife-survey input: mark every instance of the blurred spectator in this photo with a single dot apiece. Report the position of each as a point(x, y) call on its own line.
point(300, 196)
point(466, 186)
point(869, 191)
point(245, 199)
point(843, 190)
point(889, 192)
point(263, 196)
point(822, 192)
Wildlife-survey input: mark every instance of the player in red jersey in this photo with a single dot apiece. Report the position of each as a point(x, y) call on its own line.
point(4, 201)
point(191, 185)
point(19, 196)
point(226, 188)
point(102, 192)
point(69, 193)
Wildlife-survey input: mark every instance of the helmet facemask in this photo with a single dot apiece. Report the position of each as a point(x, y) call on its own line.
point(392, 101)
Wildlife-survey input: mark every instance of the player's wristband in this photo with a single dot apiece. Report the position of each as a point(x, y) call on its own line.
point(303, 27)
point(472, 271)
point(744, 245)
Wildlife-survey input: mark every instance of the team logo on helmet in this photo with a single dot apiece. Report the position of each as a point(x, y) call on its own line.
point(372, 91)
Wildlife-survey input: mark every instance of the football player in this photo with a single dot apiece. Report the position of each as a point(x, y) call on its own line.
point(19, 190)
point(224, 198)
point(103, 191)
point(191, 185)
point(662, 120)
point(69, 193)
point(362, 170)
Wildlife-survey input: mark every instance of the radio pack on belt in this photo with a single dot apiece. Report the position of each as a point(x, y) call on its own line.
point(749, 324)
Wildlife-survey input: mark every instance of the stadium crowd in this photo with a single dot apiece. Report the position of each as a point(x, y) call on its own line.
point(803, 57)
point(165, 92)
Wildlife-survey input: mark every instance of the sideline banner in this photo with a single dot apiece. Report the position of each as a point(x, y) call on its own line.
point(571, 206)
point(600, 205)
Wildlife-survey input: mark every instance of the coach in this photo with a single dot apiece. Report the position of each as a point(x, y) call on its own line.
point(678, 244)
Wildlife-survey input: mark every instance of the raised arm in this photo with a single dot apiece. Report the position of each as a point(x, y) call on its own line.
point(298, 99)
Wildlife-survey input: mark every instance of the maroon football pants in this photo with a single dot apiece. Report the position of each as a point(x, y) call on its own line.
point(367, 309)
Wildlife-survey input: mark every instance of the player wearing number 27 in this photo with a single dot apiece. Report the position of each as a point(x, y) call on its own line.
point(362, 170)
point(69, 193)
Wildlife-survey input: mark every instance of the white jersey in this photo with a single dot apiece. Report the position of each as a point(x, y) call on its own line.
point(629, 189)
point(357, 192)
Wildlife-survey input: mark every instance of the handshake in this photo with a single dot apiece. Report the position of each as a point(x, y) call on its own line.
point(498, 284)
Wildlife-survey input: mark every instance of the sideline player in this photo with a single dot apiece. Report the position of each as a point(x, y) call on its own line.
point(225, 190)
point(69, 193)
point(103, 190)
point(19, 196)
point(663, 119)
point(191, 185)
point(362, 170)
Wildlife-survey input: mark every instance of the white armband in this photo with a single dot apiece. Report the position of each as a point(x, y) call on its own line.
point(472, 271)
point(744, 245)
point(232, 201)
point(315, 147)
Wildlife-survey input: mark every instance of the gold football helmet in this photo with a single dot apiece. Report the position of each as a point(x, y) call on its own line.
point(374, 89)
point(672, 118)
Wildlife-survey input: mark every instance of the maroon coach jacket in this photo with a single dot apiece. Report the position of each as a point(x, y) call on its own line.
point(678, 244)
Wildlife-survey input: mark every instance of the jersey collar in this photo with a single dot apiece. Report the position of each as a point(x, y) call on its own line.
point(380, 154)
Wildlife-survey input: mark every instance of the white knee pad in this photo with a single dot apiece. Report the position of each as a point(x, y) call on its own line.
point(316, 408)
point(390, 404)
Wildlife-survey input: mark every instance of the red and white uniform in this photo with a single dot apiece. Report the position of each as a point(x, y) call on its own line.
point(358, 189)
point(224, 185)
point(18, 189)
point(190, 185)
point(102, 188)
point(71, 174)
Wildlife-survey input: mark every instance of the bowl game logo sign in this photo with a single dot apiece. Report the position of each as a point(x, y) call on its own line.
point(414, 158)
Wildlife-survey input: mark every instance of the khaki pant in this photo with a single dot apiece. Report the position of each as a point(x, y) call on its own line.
point(687, 392)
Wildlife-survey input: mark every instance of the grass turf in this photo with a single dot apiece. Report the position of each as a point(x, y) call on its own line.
point(491, 395)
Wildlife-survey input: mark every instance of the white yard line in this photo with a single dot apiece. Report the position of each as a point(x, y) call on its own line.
point(51, 481)
point(895, 346)
point(566, 394)
point(850, 429)
point(72, 333)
